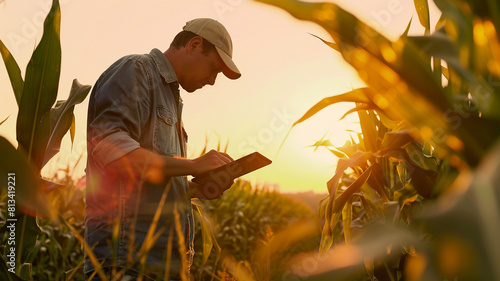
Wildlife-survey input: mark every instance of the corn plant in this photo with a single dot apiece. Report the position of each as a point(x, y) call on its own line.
point(255, 228)
point(40, 128)
point(429, 116)
point(57, 250)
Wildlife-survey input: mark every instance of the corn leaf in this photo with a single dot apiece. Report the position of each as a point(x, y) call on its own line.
point(207, 233)
point(373, 242)
point(424, 181)
point(28, 196)
point(357, 95)
point(334, 213)
point(332, 207)
point(327, 233)
point(405, 33)
point(72, 129)
point(88, 250)
point(349, 150)
point(416, 155)
point(61, 118)
point(14, 72)
point(360, 107)
point(29, 199)
point(40, 90)
point(405, 195)
point(5, 274)
point(329, 44)
point(377, 182)
point(395, 140)
point(440, 45)
point(422, 7)
point(322, 142)
point(400, 75)
point(471, 218)
point(337, 153)
point(347, 219)
point(355, 160)
point(368, 127)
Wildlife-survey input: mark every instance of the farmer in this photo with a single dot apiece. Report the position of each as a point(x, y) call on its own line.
point(136, 163)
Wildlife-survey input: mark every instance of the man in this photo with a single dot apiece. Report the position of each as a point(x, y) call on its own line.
point(136, 165)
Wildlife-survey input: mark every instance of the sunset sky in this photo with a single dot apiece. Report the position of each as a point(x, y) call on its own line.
point(285, 71)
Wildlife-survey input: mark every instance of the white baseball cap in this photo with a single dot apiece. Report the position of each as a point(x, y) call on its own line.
point(215, 33)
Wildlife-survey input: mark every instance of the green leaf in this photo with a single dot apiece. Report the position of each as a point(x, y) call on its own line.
point(25, 271)
point(355, 160)
point(335, 206)
point(329, 44)
point(401, 78)
point(376, 182)
point(357, 95)
point(338, 154)
point(207, 233)
point(326, 238)
point(470, 218)
point(40, 90)
point(72, 129)
point(405, 34)
point(62, 118)
point(27, 231)
point(440, 45)
point(322, 142)
point(422, 180)
point(405, 195)
point(422, 7)
point(369, 130)
point(14, 72)
point(360, 107)
point(347, 219)
point(353, 188)
point(28, 195)
point(395, 140)
point(348, 149)
point(374, 242)
point(417, 156)
point(4, 272)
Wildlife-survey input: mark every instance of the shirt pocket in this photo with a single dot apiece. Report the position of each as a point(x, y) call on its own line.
point(165, 134)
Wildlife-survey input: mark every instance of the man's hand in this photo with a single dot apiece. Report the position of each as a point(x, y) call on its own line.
point(209, 191)
point(209, 161)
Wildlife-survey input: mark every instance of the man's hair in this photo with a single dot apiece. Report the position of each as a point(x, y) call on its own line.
point(182, 39)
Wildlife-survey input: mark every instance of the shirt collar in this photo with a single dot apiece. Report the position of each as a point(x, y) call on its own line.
point(164, 67)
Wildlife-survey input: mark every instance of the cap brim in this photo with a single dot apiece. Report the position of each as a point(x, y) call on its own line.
point(231, 71)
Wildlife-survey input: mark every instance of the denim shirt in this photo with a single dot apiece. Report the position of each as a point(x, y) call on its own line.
point(135, 103)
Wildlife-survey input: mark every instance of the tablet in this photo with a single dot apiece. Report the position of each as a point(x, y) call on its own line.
point(226, 173)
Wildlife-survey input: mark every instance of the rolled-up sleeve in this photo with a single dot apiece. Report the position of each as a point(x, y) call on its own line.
point(122, 105)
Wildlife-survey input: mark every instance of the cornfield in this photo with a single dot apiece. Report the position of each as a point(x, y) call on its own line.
point(415, 195)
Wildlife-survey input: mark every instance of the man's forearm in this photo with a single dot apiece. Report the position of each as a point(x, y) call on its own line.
point(155, 167)
point(147, 163)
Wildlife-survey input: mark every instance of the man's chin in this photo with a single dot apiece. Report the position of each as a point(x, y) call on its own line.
point(190, 89)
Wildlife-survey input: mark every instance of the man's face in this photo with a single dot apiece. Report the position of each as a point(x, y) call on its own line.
point(202, 69)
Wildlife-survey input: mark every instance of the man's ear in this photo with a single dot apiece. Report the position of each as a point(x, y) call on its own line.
point(194, 43)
